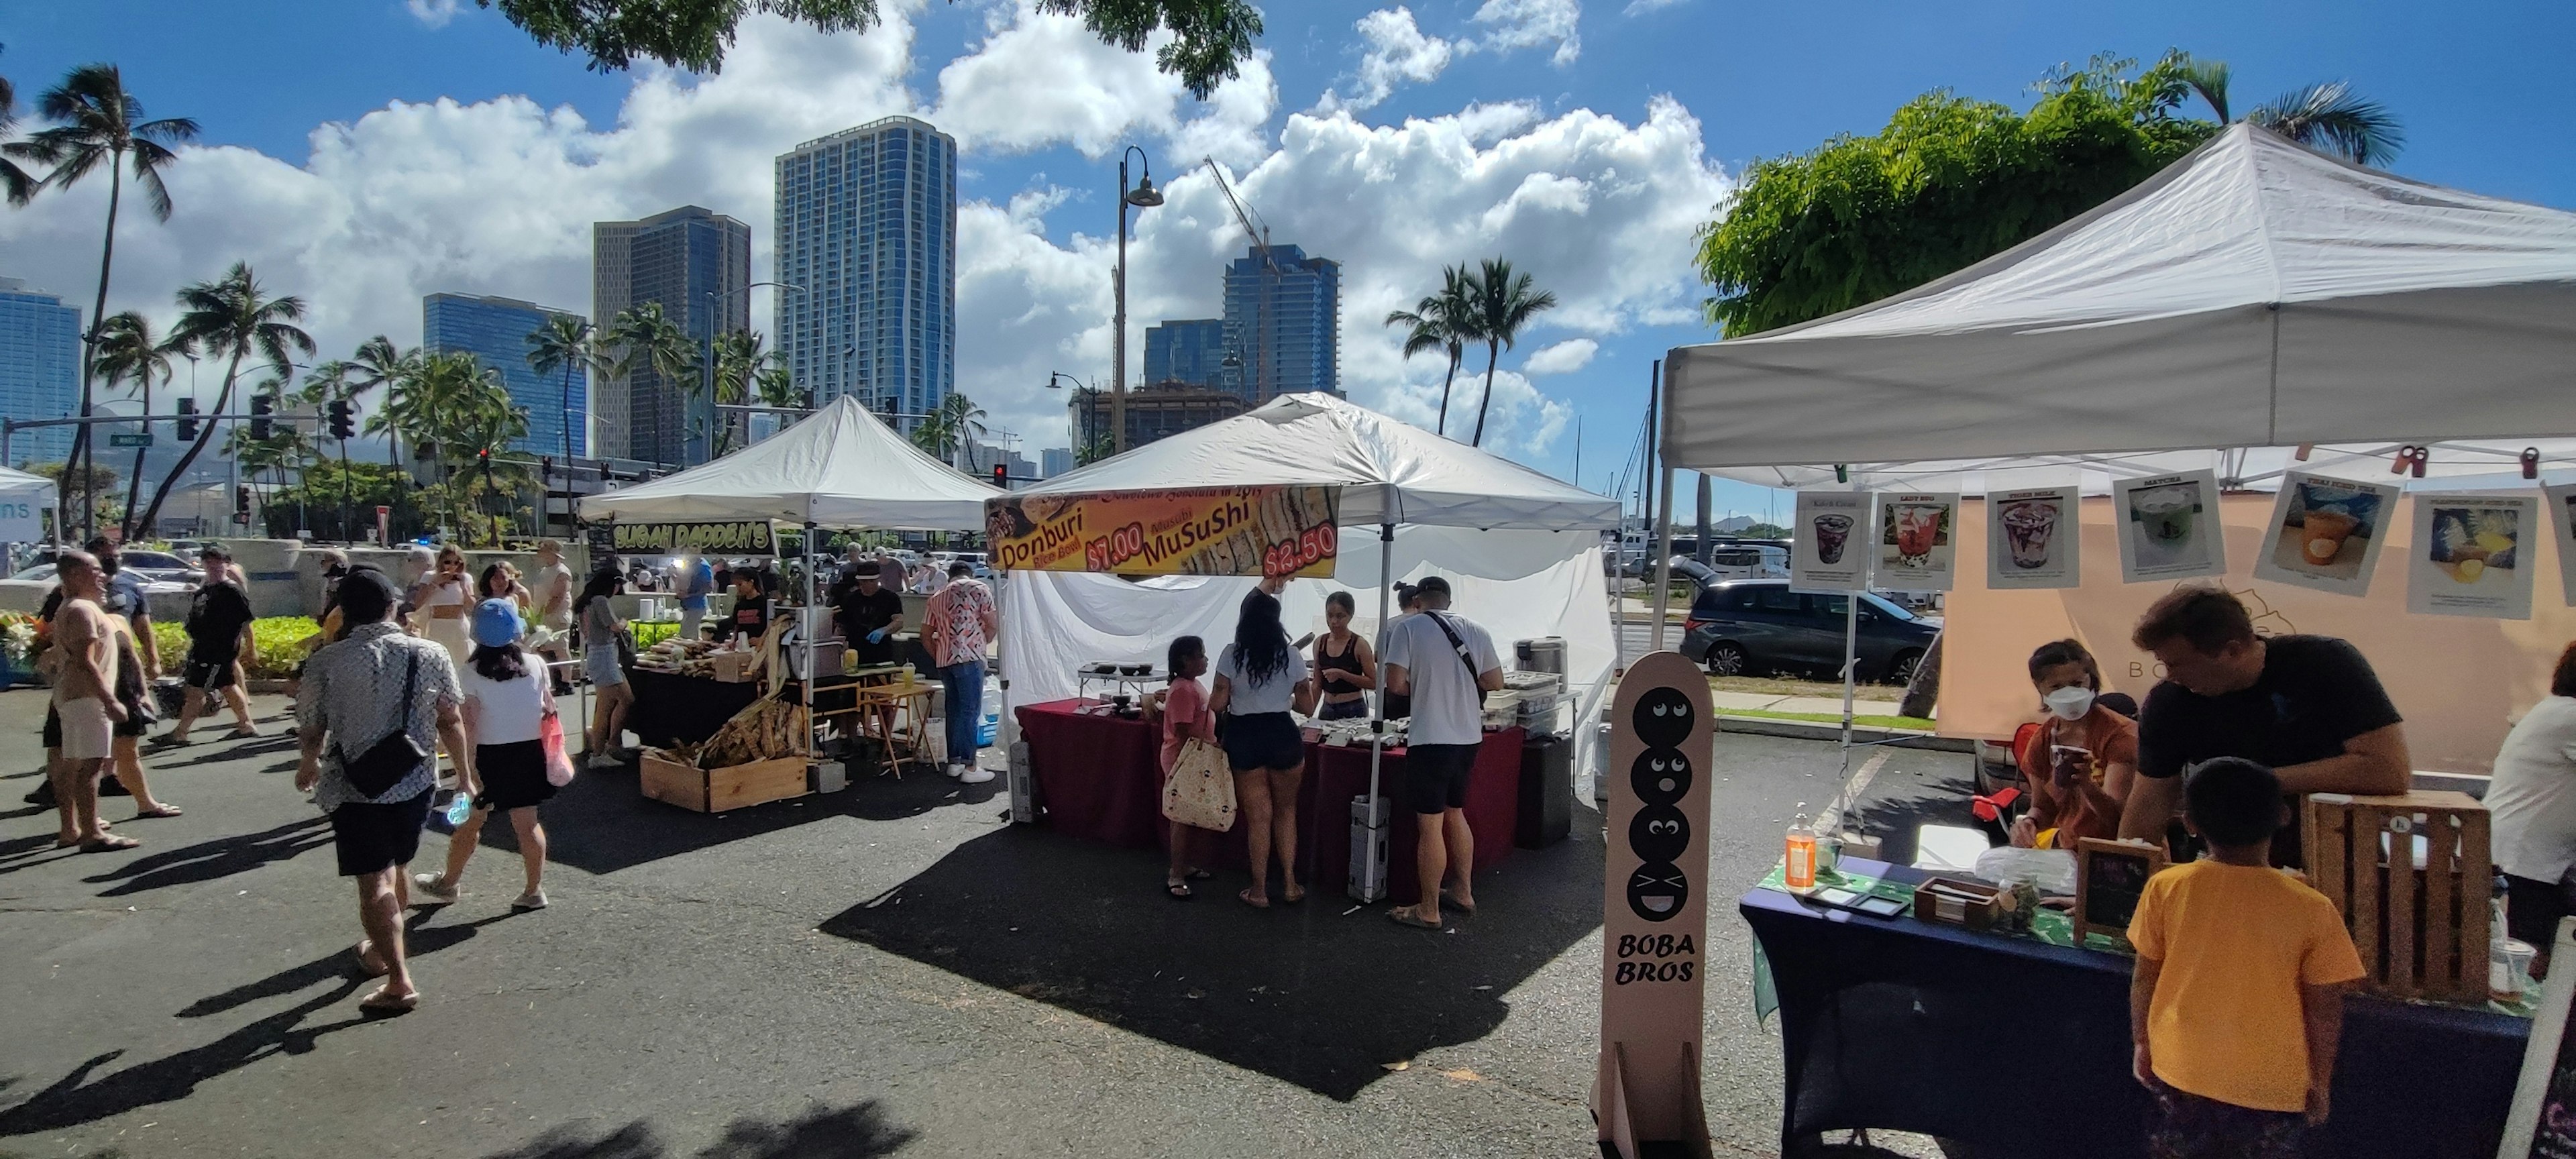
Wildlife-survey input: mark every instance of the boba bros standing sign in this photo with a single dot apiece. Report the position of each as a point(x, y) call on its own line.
point(1654, 913)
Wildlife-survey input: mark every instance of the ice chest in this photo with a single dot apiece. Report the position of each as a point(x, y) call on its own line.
point(724, 789)
point(2411, 875)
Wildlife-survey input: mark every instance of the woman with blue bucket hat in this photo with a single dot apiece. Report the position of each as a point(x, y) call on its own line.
point(507, 705)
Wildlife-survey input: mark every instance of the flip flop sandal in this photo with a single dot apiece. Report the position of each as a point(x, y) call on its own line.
point(380, 1005)
point(1292, 898)
point(1463, 908)
point(1406, 918)
point(376, 969)
point(1198, 875)
point(1244, 895)
point(1177, 890)
point(109, 844)
point(156, 814)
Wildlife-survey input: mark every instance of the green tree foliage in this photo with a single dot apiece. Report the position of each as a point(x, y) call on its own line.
point(1947, 183)
point(1210, 37)
point(328, 485)
point(231, 318)
point(1445, 322)
point(1499, 304)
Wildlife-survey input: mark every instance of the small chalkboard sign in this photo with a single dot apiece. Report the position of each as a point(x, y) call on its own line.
point(2542, 1124)
point(2110, 877)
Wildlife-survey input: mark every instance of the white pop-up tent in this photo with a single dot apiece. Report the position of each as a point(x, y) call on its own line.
point(1521, 550)
point(841, 467)
point(23, 497)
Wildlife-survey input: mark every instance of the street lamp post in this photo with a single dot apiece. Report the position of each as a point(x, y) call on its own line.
point(1082, 398)
point(1144, 196)
point(707, 364)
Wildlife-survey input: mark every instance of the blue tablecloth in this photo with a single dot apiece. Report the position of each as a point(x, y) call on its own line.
point(2022, 1048)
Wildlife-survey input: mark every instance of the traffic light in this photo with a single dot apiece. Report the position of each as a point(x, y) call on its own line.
point(344, 419)
point(261, 406)
point(1002, 476)
point(241, 499)
point(546, 469)
point(187, 420)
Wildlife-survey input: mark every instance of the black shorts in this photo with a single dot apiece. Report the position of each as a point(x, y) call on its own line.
point(1436, 776)
point(1263, 740)
point(209, 675)
point(513, 775)
point(373, 838)
point(2532, 909)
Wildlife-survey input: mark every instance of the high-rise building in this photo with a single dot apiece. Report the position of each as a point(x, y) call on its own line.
point(1156, 410)
point(1283, 320)
point(39, 368)
point(867, 229)
point(1190, 350)
point(495, 331)
point(1054, 461)
point(697, 264)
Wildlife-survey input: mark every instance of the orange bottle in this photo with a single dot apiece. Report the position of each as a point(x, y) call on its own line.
point(1802, 854)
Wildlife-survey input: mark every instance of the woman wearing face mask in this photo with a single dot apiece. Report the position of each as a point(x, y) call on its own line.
point(2084, 759)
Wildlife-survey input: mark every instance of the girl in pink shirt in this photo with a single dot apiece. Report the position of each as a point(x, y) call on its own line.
point(1185, 715)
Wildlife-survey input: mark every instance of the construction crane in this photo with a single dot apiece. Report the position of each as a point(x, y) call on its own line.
point(1268, 289)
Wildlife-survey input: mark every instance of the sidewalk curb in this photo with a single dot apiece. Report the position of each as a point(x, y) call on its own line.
point(1802, 730)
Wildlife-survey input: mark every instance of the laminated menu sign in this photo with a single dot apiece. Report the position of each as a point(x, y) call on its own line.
point(2033, 539)
point(2325, 533)
point(1252, 531)
point(2560, 503)
point(2472, 555)
point(1831, 541)
point(1916, 542)
point(2168, 527)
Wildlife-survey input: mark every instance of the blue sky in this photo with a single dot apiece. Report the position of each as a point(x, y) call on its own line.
point(494, 196)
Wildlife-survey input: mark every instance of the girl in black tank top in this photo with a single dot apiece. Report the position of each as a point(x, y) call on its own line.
point(1349, 674)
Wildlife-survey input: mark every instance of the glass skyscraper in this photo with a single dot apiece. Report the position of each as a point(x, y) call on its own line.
point(495, 331)
point(1284, 323)
point(1190, 350)
point(697, 264)
point(39, 369)
point(867, 226)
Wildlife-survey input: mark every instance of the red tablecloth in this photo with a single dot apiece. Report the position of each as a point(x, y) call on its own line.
point(1339, 774)
point(1098, 777)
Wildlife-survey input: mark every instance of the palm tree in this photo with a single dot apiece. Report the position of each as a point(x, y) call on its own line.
point(646, 338)
point(486, 422)
point(1443, 322)
point(17, 183)
point(2328, 117)
point(379, 364)
point(128, 353)
point(231, 318)
point(97, 123)
point(564, 345)
point(325, 384)
point(945, 430)
point(740, 361)
point(1502, 303)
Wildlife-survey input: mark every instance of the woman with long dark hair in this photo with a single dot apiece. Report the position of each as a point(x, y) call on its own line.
point(600, 631)
point(1259, 678)
point(1345, 665)
point(506, 703)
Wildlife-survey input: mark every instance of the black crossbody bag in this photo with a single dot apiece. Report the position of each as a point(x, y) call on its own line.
point(388, 761)
point(1475, 679)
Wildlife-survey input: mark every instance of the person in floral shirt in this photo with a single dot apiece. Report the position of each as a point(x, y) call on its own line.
point(961, 624)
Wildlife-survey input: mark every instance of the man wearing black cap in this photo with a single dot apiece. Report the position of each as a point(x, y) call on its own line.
point(1445, 663)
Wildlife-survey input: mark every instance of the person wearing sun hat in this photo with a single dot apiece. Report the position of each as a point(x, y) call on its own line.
point(507, 698)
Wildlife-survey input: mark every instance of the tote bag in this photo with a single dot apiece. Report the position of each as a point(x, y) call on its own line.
point(558, 766)
point(1200, 791)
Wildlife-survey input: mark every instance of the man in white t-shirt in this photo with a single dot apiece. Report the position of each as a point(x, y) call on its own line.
point(1445, 663)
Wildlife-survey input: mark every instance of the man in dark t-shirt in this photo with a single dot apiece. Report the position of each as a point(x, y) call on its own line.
point(219, 619)
point(2307, 706)
point(868, 615)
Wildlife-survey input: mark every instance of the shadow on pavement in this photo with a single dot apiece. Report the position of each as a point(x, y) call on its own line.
point(856, 1132)
point(1303, 993)
point(602, 822)
point(73, 1101)
point(1897, 810)
point(222, 857)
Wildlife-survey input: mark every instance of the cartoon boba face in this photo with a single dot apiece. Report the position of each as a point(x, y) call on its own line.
point(1663, 717)
point(1660, 776)
point(1657, 890)
point(1659, 833)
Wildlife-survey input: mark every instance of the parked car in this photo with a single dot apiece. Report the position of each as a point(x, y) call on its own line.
point(1737, 627)
point(153, 566)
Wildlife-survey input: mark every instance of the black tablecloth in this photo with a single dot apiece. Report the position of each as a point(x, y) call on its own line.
point(1900, 1025)
point(672, 709)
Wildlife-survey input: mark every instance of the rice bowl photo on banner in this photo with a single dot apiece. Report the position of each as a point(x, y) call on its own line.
point(2325, 533)
point(2470, 555)
point(2034, 539)
point(1916, 548)
point(2169, 527)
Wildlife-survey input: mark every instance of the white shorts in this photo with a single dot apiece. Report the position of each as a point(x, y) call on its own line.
point(87, 733)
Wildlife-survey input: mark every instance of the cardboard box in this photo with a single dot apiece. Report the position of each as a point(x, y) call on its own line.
point(2410, 874)
point(732, 667)
point(720, 790)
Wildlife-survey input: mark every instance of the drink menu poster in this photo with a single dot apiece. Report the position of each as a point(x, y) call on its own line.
point(2472, 555)
point(2033, 539)
point(2325, 533)
point(1916, 552)
point(2168, 527)
point(1831, 541)
point(2559, 504)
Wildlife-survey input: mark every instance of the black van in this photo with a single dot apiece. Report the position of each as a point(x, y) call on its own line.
point(1741, 627)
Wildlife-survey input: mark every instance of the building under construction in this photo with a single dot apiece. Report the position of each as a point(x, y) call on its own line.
point(1156, 410)
point(1282, 320)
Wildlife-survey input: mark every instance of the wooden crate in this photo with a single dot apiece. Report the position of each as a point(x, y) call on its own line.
point(721, 790)
point(2422, 932)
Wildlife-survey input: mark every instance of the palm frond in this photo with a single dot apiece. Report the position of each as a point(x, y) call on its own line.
point(2331, 118)
point(2208, 79)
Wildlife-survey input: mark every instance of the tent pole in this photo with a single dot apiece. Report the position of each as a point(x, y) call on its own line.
point(1385, 582)
point(1663, 513)
point(805, 637)
point(1851, 665)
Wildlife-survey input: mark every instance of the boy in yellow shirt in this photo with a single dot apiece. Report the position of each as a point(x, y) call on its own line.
point(2237, 1003)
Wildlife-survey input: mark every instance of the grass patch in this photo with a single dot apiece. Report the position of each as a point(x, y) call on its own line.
point(1782, 685)
point(1909, 723)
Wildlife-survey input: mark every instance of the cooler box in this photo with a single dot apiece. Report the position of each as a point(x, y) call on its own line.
point(1547, 792)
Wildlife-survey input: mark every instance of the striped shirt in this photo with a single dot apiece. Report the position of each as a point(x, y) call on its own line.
point(353, 691)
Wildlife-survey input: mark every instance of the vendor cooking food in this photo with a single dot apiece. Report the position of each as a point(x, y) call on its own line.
point(2081, 763)
point(749, 621)
point(869, 615)
point(2309, 707)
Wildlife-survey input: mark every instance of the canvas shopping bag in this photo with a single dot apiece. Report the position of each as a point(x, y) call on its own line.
point(558, 763)
point(1200, 791)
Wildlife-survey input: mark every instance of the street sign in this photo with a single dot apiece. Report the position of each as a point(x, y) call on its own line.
point(130, 440)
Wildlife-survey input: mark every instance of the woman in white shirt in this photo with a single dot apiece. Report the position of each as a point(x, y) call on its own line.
point(506, 703)
point(443, 597)
point(1259, 678)
point(2532, 804)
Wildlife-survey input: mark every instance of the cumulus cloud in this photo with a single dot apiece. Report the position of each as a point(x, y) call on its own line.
point(1533, 24)
point(1562, 358)
point(1395, 51)
point(1641, 7)
point(434, 13)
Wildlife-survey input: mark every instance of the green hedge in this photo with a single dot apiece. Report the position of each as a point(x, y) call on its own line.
point(650, 633)
point(277, 643)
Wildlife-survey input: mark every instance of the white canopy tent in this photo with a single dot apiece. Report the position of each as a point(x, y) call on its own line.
point(1521, 549)
point(23, 497)
point(841, 467)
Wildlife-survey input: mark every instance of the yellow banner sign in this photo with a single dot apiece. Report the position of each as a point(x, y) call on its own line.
point(738, 538)
point(1185, 531)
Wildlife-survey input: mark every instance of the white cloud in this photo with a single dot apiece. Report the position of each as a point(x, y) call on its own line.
point(1533, 24)
point(1397, 51)
point(434, 13)
point(1562, 358)
point(1641, 7)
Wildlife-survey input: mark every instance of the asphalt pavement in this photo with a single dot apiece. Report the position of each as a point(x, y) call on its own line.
point(893, 969)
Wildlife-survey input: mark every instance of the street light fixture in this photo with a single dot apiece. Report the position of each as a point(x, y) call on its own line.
point(1143, 196)
point(1082, 398)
